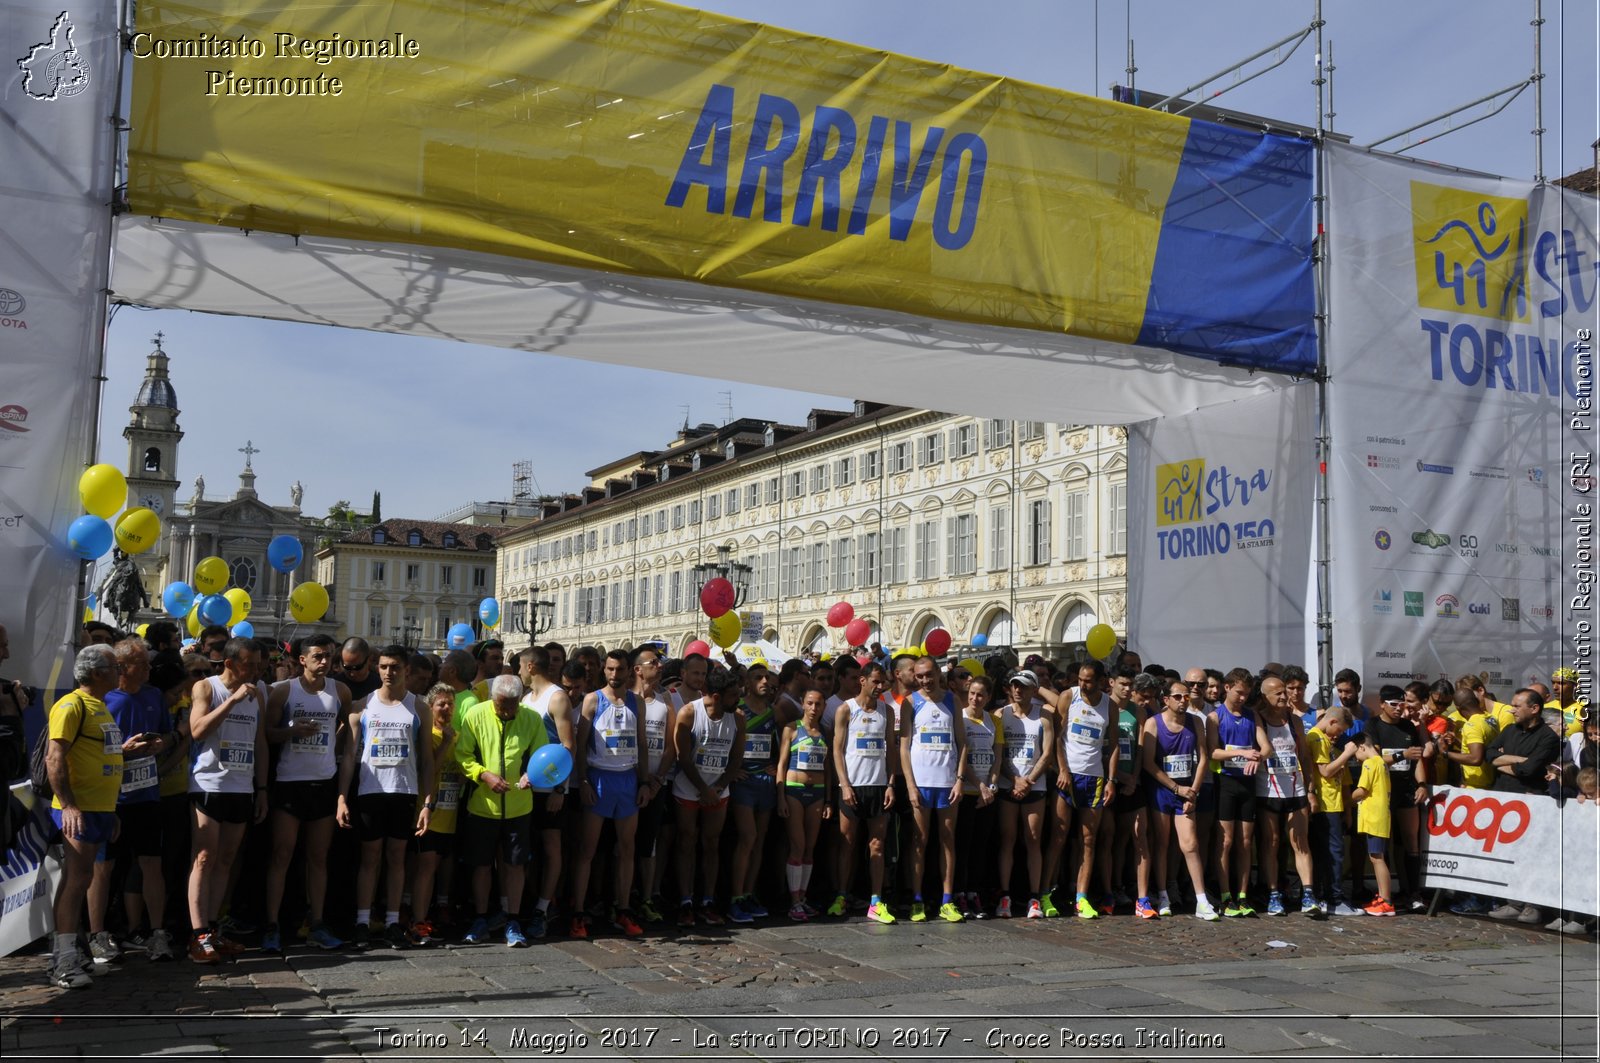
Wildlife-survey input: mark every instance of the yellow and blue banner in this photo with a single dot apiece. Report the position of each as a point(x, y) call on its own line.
point(659, 141)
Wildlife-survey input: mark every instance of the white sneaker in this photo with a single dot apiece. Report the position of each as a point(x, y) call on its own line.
point(1163, 904)
point(1573, 926)
point(1204, 910)
point(103, 948)
point(1345, 909)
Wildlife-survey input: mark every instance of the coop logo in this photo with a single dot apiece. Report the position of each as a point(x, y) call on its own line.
point(12, 304)
point(1491, 821)
point(14, 418)
point(1511, 610)
point(1382, 461)
point(1478, 608)
point(1187, 493)
point(1430, 538)
point(1471, 251)
point(1382, 540)
point(1536, 476)
point(1413, 603)
point(1447, 607)
point(54, 69)
point(1383, 603)
point(1442, 470)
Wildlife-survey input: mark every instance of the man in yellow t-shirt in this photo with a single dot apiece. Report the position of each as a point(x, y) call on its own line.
point(84, 760)
point(1564, 696)
point(1466, 745)
point(1372, 817)
point(1329, 773)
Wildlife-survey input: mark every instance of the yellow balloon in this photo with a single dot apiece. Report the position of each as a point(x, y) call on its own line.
point(103, 490)
point(210, 575)
point(973, 666)
point(138, 530)
point(725, 629)
point(1101, 641)
point(308, 602)
point(239, 598)
point(141, 629)
point(193, 622)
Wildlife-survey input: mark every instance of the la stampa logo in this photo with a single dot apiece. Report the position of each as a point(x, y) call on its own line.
point(54, 69)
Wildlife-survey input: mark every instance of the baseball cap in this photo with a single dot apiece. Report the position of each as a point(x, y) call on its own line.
point(1025, 677)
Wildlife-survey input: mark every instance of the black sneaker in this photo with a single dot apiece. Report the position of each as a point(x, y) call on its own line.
point(361, 940)
point(394, 935)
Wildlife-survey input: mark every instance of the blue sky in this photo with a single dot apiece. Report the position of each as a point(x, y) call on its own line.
point(432, 425)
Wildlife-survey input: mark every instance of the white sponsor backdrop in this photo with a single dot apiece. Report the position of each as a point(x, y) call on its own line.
point(1461, 358)
point(1219, 531)
point(57, 86)
point(29, 873)
point(1522, 847)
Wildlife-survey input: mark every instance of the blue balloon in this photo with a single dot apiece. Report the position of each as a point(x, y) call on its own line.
point(215, 609)
point(459, 638)
point(550, 765)
point(284, 553)
point(244, 630)
point(177, 599)
point(94, 599)
point(980, 640)
point(489, 612)
point(89, 537)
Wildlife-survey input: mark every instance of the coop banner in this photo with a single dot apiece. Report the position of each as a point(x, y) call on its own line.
point(1219, 531)
point(57, 82)
point(659, 142)
point(1461, 350)
point(1520, 847)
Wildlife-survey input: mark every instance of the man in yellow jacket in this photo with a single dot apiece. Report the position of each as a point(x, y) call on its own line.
point(498, 737)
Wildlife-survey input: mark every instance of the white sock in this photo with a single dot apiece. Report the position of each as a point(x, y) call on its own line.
point(1162, 901)
point(543, 905)
point(391, 919)
point(791, 874)
point(1201, 898)
point(66, 943)
point(805, 876)
point(505, 903)
point(363, 916)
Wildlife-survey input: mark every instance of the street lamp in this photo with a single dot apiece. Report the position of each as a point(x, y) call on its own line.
point(543, 613)
point(724, 568)
point(407, 634)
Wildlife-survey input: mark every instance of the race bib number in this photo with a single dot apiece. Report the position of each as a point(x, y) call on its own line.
point(623, 743)
point(1283, 764)
point(236, 756)
point(311, 743)
point(111, 739)
point(1023, 757)
point(758, 748)
point(870, 747)
point(1400, 761)
point(655, 737)
point(939, 740)
point(1236, 762)
point(812, 758)
point(1179, 765)
point(982, 762)
point(390, 747)
point(139, 775)
point(1125, 747)
point(449, 795)
point(1083, 732)
point(716, 763)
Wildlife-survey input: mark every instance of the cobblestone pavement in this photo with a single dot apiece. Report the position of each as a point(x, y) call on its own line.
point(1419, 987)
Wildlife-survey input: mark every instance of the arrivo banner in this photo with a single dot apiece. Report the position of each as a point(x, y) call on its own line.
point(1521, 847)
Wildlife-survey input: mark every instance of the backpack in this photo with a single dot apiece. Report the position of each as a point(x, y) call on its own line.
point(38, 771)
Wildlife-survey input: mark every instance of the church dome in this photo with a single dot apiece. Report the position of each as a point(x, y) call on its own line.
point(156, 390)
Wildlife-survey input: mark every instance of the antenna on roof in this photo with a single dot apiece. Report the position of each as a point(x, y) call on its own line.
point(685, 409)
point(522, 481)
point(727, 406)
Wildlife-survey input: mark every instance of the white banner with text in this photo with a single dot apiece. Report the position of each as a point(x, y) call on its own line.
point(1520, 847)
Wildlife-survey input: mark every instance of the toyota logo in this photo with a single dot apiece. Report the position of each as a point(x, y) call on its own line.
point(11, 302)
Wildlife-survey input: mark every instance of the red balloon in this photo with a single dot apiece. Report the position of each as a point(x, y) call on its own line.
point(840, 614)
point(717, 597)
point(856, 632)
point(937, 642)
point(863, 660)
point(697, 646)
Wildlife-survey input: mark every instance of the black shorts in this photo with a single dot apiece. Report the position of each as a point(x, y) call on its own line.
point(1282, 806)
point(226, 808)
point(481, 839)
point(543, 818)
point(435, 842)
point(307, 800)
point(391, 816)
point(650, 818)
point(1403, 789)
point(141, 830)
point(1032, 797)
point(1236, 799)
point(869, 802)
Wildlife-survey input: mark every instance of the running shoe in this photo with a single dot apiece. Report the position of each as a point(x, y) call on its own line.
point(394, 935)
point(158, 946)
point(951, 914)
point(625, 922)
point(649, 911)
point(1086, 909)
point(961, 904)
point(103, 949)
point(858, 905)
point(837, 908)
point(323, 938)
point(476, 934)
point(237, 925)
point(710, 916)
point(66, 972)
point(879, 913)
point(797, 912)
point(1003, 909)
point(686, 915)
point(1163, 904)
point(226, 946)
point(497, 920)
point(1121, 899)
point(271, 940)
point(737, 912)
point(1203, 910)
point(1231, 909)
point(1108, 904)
point(362, 938)
point(1144, 909)
point(1310, 907)
point(579, 929)
point(201, 950)
point(1035, 910)
point(1469, 906)
point(918, 913)
point(756, 909)
point(975, 908)
point(1047, 904)
point(1244, 908)
point(420, 934)
point(536, 928)
point(514, 935)
point(1379, 907)
point(1343, 909)
point(1275, 904)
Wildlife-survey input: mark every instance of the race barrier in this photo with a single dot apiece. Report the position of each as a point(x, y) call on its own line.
point(1519, 847)
point(30, 874)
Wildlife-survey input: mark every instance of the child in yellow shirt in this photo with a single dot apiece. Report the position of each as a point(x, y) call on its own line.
point(1371, 796)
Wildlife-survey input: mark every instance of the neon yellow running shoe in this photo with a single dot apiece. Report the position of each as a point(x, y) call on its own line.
point(1047, 904)
point(879, 913)
point(951, 914)
point(1086, 909)
point(836, 909)
point(918, 913)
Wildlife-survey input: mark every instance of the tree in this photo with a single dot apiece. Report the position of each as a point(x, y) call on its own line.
point(377, 507)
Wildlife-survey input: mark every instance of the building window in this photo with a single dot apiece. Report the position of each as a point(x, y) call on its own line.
point(480, 578)
point(593, 541)
point(930, 449)
point(450, 540)
point(999, 537)
point(769, 574)
point(618, 597)
point(413, 538)
point(964, 441)
point(996, 434)
point(675, 593)
point(677, 517)
point(896, 561)
point(447, 575)
point(1077, 525)
point(413, 573)
point(844, 471)
point(695, 509)
point(869, 559)
point(380, 536)
point(899, 457)
point(928, 550)
point(152, 459)
point(774, 486)
point(819, 478)
point(375, 623)
point(660, 595)
point(444, 625)
point(644, 596)
point(242, 571)
point(752, 495)
point(1117, 540)
point(713, 507)
point(797, 484)
point(633, 528)
point(962, 533)
point(844, 564)
point(1039, 532)
point(871, 464)
point(819, 568)
point(1028, 431)
point(380, 570)
point(732, 501)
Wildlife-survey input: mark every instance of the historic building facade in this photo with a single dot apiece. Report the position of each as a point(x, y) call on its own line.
point(1011, 530)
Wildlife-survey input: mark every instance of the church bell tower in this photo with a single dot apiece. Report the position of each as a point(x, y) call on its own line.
point(152, 433)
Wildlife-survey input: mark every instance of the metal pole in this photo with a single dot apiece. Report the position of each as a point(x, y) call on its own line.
point(1297, 37)
point(1516, 88)
point(1329, 73)
point(1321, 78)
point(1538, 92)
point(1324, 559)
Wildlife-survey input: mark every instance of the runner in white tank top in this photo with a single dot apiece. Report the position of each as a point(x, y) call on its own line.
point(709, 739)
point(611, 779)
point(1283, 786)
point(867, 758)
point(933, 748)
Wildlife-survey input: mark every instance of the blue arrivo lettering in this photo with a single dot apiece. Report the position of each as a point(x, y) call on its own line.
point(826, 147)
